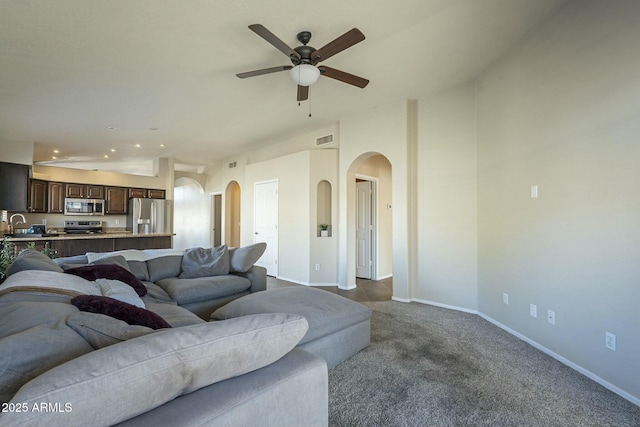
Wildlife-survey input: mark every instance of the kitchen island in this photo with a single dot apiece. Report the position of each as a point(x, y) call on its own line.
point(79, 244)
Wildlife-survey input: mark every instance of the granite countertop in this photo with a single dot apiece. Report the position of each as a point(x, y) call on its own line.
point(64, 236)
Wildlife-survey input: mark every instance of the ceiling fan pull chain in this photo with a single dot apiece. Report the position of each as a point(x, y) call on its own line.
point(309, 107)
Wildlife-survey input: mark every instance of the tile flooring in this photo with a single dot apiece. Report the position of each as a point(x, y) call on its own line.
point(366, 290)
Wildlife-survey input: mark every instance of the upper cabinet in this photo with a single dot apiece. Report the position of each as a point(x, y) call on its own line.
point(38, 196)
point(84, 191)
point(116, 201)
point(144, 193)
point(56, 197)
point(14, 186)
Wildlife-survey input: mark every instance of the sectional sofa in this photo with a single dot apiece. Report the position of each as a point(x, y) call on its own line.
point(138, 338)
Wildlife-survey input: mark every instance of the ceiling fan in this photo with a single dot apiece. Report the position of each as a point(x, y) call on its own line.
point(305, 70)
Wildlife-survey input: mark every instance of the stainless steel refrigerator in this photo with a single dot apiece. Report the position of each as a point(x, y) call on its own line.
point(146, 216)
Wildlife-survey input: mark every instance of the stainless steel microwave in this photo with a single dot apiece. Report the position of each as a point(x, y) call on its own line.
point(83, 206)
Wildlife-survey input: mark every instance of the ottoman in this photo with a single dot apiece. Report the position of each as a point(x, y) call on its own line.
point(338, 327)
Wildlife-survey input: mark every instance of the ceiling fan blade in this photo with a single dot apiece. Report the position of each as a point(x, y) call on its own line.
point(264, 71)
point(343, 42)
point(343, 77)
point(273, 39)
point(303, 93)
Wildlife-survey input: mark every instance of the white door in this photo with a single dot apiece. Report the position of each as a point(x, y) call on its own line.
point(266, 223)
point(364, 229)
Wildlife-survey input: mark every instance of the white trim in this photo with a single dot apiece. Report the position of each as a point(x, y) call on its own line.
point(347, 288)
point(384, 277)
point(617, 390)
point(450, 307)
point(564, 360)
point(400, 299)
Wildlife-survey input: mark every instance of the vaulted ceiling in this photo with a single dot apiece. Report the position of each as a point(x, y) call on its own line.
point(139, 79)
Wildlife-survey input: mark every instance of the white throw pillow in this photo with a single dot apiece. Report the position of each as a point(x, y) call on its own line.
point(119, 290)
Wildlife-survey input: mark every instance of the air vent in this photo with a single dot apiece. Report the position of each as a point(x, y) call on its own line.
point(324, 140)
point(233, 165)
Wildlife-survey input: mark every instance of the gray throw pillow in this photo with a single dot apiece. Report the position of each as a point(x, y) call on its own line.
point(201, 262)
point(242, 259)
point(30, 259)
point(138, 375)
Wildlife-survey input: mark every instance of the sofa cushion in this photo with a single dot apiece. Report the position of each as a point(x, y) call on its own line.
point(242, 259)
point(30, 259)
point(185, 291)
point(118, 382)
point(139, 269)
point(116, 259)
point(326, 312)
point(102, 331)
point(121, 291)
point(163, 267)
point(201, 262)
point(109, 271)
point(34, 338)
point(174, 315)
point(120, 310)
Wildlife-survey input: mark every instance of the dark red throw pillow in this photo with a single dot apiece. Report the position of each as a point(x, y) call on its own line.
point(119, 310)
point(109, 271)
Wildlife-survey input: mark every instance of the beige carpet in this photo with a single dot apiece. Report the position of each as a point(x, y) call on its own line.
point(429, 366)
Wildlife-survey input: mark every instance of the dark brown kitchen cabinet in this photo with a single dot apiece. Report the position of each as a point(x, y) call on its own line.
point(14, 186)
point(38, 196)
point(144, 193)
point(76, 191)
point(82, 246)
point(116, 200)
point(137, 193)
point(156, 194)
point(157, 242)
point(85, 191)
point(56, 197)
point(95, 192)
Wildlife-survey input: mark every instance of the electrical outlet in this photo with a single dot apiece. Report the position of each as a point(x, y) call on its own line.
point(117, 222)
point(610, 341)
point(505, 298)
point(317, 267)
point(551, 317)
point(533, 310)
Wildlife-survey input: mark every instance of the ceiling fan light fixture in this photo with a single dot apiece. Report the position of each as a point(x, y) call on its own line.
point(305, 74)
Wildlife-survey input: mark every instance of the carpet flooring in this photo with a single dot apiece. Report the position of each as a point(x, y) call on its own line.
point(429, 366)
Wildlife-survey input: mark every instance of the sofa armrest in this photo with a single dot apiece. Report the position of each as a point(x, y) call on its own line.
point(258, 277)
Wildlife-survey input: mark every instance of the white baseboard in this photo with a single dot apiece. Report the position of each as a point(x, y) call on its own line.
point(386, 276)
point(564, 360)
point(617, 390)
point(347, 288)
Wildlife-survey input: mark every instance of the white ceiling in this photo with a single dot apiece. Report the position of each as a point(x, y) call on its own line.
point(163, 71)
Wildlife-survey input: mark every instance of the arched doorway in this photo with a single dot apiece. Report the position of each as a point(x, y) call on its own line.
point(369, 218)
point(232, 207)
point(191, 223)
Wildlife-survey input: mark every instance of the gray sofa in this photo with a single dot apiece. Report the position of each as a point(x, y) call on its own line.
point(216, 277)
point(60, 366)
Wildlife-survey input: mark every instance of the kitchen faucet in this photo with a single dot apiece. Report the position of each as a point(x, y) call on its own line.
point(12, 225)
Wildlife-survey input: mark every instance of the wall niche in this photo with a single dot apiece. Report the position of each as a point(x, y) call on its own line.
point(324, 208)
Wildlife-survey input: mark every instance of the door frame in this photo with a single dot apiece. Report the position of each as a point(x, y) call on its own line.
point(276, 267)
point(374, 222)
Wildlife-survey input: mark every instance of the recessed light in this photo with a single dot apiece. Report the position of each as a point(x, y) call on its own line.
point(56, 151)
point(161, 145)
point(111, 127)
point(137, 145)
point(106, 157)
point(53, 157)
point(113, 150)
point(153, 128)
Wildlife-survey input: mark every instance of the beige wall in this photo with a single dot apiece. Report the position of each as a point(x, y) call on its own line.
point(447, 199)
point(562, 112)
